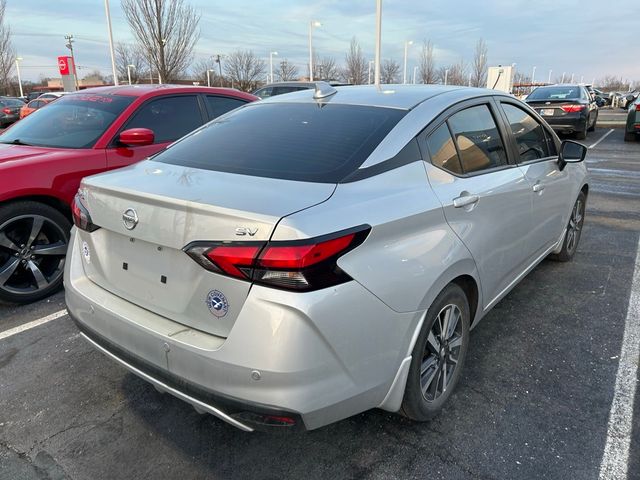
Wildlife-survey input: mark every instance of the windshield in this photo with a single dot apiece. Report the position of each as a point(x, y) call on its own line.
point(555, 93)
point(293, 141)
point(73, 121)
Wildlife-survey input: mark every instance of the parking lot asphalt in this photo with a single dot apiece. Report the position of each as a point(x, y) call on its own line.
point(534, 400)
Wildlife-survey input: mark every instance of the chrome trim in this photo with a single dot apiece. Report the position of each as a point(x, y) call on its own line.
point(176, 393)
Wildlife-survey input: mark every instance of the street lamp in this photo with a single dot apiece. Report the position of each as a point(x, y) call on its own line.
point(572, 75)
point(113, 55)
point(406, 49)
point(312, 23)
point(129, 67)
point(533, 75)
point(18, 59)
point(446, 76)
point(415, 70)
point(69, 45)
point(550, 76)
point(271, 54)
point(218, 60)
point(209, 77)
point(369, 78)
point(563, 74)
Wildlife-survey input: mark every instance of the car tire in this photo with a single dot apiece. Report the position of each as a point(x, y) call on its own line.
point(573, 231)
point(593, 127)
point(33, 242)
point(433, 375)
point(581, 135)
point(629, 136)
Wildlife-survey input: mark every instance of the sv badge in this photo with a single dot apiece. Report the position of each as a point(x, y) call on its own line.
point(244, 231)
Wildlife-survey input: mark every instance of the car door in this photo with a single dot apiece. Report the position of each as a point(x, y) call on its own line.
point(170, 118)
point(537, 156)
point(486, 200)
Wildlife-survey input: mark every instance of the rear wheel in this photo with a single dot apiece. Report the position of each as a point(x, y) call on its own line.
point(573, 232)
point(438, 355)
point(33, 245)
point(581, 135)
point(593, 127)
point(629, 136)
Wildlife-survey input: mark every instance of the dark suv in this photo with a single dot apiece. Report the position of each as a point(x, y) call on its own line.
point(567, 108)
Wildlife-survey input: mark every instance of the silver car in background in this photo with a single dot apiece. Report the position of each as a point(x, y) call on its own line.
point(317, 254)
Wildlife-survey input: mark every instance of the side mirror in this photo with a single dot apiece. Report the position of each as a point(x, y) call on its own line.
point(571, 152)
point(137, 137)
point(630, 98)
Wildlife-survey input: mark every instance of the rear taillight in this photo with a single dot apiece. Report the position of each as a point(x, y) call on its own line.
point(7, 111)
point(300, 265)
point(81, 217)
point(572, 108)
point(638, 107)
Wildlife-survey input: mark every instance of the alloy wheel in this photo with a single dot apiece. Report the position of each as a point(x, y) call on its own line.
point(32, 253)
point(441, 353)
point(575, 225)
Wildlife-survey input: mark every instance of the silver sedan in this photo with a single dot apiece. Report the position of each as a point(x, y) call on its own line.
point(317, 254)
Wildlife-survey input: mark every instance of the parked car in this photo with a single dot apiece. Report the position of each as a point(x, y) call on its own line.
point(291, 265)
point(567, 108)
point(33, 96)
point(9, 110)
point(44, 157)
point(603, 95)
point(280, 88)
point(52, 95)
point(627, 99)
point(32, 106)
point(632, 128)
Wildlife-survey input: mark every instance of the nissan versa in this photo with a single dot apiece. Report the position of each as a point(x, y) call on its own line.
point(317, 254)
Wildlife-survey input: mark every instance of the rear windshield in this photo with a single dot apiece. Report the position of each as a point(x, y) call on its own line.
point(293, 141)
point(555, 93)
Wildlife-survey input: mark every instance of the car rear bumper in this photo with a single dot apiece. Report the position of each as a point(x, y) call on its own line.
point(300, 356)
point(567, 125)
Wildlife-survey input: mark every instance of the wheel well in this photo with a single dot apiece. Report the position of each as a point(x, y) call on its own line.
point(585, 190)
point(468, 284)
point(53, 202)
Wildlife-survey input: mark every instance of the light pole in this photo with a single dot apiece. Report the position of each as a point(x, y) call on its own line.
point(19, 79)
point(563, 74)
point(470, 78)
point(209, 77)
point(376, 78)
point(129, 67)
point(271, 54)
point(312, 23)
point(446, 75)
point(550, 76)
point(415, 70)
point(218, 60)
point(572, 75)
point(113, 55)
point(533, 75)
point(582, 79)
point(369, 77)
point(69, 45)
point(406, 50)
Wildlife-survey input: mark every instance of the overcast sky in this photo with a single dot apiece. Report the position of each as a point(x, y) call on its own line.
point(584, 37)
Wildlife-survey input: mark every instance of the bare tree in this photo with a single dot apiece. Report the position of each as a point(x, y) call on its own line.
point(455, 74)
point(427, 64)
point(479, 65)
point(287, 71)
point(389, 71)
point(326, 68)
point(356, 67)
point(245, 70)
point(167, 31)
point(131, 55)
point(7, 53)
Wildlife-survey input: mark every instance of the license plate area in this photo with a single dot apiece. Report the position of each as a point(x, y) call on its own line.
point(547, 112)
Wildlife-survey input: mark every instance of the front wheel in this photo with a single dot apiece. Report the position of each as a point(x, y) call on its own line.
point(438, 355)
point(629, 136)
point(573, 231)
point(33, 245)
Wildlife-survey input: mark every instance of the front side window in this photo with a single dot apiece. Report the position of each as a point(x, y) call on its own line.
point(73, 121)
point(529, 134)
point(293, 141)
point(170, 117)
point(478, 139)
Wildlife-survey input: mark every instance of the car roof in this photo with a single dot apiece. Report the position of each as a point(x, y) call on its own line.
point(403, 97)
point(146, 89)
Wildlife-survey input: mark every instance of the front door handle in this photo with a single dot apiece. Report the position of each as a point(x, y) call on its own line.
point(538, 187)
point(465, 201)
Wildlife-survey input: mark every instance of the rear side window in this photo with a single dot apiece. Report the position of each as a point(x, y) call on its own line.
point(529, 134)
point(443, 151)
point(477, 138)
point(170, 117)
point(220, 105)
point(293, 141)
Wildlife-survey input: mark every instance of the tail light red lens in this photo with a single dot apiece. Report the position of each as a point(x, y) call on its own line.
point(300, 265)
point(7, 111)
point(81, 217)
point(572, 108)
point(638, 107)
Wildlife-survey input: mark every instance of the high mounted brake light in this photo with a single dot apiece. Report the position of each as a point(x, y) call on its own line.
point(300, 265)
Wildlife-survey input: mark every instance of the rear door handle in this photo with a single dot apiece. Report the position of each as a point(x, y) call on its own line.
point(538, 187)
point(465, 201)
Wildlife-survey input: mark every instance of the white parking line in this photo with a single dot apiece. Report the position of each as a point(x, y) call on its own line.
point(616, 451)
point(30, 325)
point(602, 138)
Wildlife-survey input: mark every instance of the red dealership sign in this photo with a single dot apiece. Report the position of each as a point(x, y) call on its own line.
point(64, 65)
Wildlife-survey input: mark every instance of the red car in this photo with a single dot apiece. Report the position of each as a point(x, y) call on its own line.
point(44, 156)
